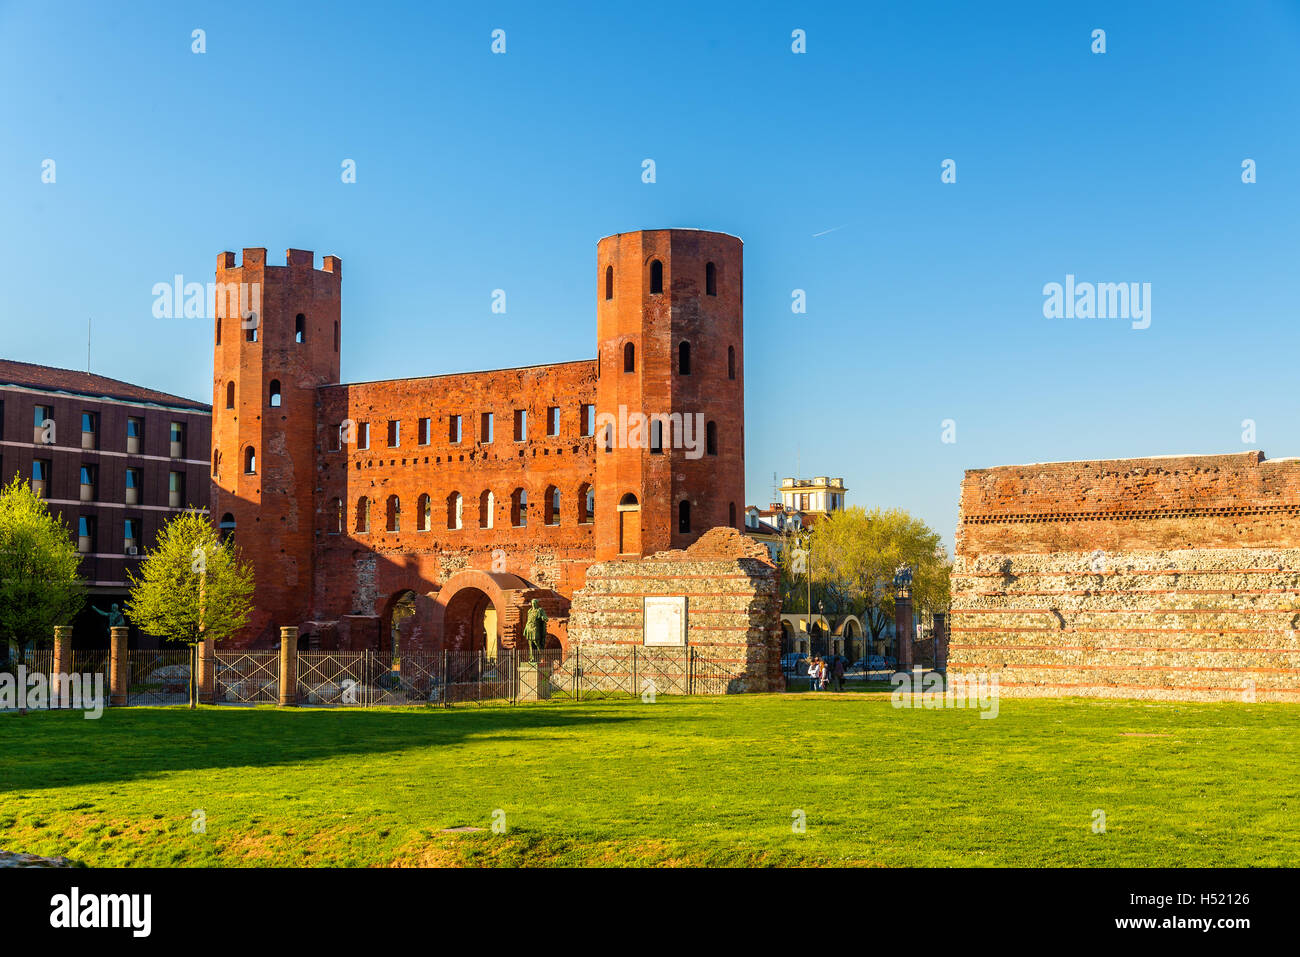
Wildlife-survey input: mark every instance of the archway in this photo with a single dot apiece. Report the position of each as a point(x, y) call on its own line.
point(469, 611)
point(401, 612)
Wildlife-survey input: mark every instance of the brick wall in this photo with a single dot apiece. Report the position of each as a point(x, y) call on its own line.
point(1173, 577)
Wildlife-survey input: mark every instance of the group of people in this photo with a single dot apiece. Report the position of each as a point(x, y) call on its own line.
point(824, 671)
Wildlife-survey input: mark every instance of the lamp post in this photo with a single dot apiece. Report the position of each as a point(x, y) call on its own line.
point(903, 615)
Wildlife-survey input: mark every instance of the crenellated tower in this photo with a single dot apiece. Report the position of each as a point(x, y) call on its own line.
point(277, 338)
point(670, 354)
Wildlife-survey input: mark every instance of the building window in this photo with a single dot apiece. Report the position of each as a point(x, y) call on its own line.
point(133, 480)
point(336, 516)
point(334, 438)
point(275, 393)
point(226, 528)
point(552, 505)
point(394, 514)
point(656, 277)
point(453, 428)
point(336, 336)
point(134, 434)
point(586, 504)
point(656, 435)
point(486, 508)
point(86, 534)
point(251, 334)
point(684, 359)
point(42, 419)
point(609, 437)
point(521, 425)
point(40, 477)
point(218, 324)
point(629, 358)
point(710, 280)
point(588, 416)
point(300, 329)
point(485, 427)
point(424, 513)
point(394, 433)
point(230, 395)
point(553, 420)
point(731, 514)
point(131, 536)
point(731, 362)
point(363, 435)
point(89, 483)
point(426, 431)
point(176, 489)
point(89, 430)
point(177, 437)
point(711, 438)
point(250, 461)
point(519, 508)
point(684, 517)
point(363, 515)
point(609, 282)
point(455, 511)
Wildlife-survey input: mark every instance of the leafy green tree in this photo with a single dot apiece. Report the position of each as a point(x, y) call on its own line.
point(40, 583)
point(191, 586)
point(855, 553)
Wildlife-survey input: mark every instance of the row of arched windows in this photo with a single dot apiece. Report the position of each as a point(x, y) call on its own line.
point(273, 394)
point(657, 279)
point(299, 331)
point(683, 359)
point(552, 509)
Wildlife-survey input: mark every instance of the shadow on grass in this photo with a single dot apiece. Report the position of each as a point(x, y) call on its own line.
point(62, 749)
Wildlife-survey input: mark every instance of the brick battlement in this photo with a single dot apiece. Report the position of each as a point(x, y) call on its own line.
point(293, 259)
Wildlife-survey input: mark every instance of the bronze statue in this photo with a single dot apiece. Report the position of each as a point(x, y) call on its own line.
point(114, 615)
point(535, 631)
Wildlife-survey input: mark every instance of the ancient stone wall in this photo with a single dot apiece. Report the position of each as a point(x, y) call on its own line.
point(733, 606)
point(1172, 577)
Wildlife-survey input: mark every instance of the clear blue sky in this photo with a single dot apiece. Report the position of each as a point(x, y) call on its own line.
point(478, 171)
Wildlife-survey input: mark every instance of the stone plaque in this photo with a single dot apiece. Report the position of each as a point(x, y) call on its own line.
point(665, 621)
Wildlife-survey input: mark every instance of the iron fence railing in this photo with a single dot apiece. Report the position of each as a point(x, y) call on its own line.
point(247, 677)
point(158, 677)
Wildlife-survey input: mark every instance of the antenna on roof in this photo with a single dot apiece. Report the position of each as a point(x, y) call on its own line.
point(87, 346)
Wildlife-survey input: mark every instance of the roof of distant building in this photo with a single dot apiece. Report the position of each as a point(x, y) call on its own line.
point(28, 375)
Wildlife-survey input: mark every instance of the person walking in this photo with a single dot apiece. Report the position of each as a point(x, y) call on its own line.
point(824, 675)
point(814, 673)
point(839, 672)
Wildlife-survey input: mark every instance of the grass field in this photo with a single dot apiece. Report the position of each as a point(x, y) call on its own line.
point(701, 781)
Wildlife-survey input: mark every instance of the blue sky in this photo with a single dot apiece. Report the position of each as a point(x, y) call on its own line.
point(478, 171)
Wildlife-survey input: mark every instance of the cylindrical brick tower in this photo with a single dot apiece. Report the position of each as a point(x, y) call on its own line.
point(276, 339)
point(670, 348)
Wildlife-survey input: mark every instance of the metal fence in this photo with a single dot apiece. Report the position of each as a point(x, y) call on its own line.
point(156, 677)
point(247, 677)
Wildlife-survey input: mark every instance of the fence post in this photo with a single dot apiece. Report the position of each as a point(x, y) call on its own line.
point(117, 665)
point(207, 672)
point(288, 667)
point(61, 666)
point(445, 683)
point(635, 687)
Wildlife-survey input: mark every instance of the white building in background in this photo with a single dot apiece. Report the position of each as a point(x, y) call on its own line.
point(803, 502)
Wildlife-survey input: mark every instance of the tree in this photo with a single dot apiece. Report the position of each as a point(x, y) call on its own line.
point(40, 582)
point(192, 586)
point(856, 552)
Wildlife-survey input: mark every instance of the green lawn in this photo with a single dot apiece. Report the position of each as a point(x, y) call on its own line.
point(680, 781)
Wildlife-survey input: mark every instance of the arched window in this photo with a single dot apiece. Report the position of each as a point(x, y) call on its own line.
point(218, 332)
point(609, 437)
point(394, 513)
point(486, 508)
point(731, 514)
point(552, 505)
point(363, 514)
point(423, 513)
point(300, 328)
point(275, 393)
point(629, 358)
point(226, 528)
point(335, 516)
point(230, 395)
point(710, 279)
point(609, 282)
point(684, 516)
point(519, 508)
point(711, 438)
point(216, 463)
point(455, 510)
point(731, 362)
point(656, 277)
point(250, 461)
point(586, 503)
point(684, 359)
point(656, 435)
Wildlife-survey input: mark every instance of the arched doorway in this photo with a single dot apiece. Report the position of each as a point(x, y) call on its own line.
point(470, 623)
point(401, 612)
point(629, 525)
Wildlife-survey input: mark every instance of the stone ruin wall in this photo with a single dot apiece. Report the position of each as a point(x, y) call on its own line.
point(1159, 578)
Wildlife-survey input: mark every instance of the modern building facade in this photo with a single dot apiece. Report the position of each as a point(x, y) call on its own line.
point(114, 460)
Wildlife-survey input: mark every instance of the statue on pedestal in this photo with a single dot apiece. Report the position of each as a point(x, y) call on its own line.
point(114, 615)
point(535, 631)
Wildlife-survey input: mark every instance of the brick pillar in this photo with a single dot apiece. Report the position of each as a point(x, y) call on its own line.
point(207, 672)
point(117, 667)
point(940, 641)
point(62, 664)
point(906, 631)
point(288, 667)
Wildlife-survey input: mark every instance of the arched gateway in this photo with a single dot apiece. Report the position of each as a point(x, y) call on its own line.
point(480, 611)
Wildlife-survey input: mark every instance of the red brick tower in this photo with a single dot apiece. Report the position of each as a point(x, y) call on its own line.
point(670, 339)
point(270, 354)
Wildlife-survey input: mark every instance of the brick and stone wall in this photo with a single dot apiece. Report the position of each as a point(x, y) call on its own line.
point(733, 605)
point(1174, 577)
